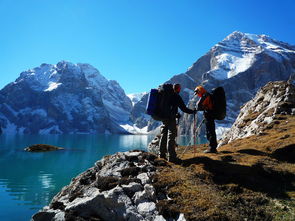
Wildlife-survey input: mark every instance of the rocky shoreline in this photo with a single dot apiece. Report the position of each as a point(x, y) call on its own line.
point(118, 187)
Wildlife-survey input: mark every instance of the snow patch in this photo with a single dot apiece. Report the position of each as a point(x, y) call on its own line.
point(230, 64)
point(52, 86)
point(135, 97)
point(133, 129)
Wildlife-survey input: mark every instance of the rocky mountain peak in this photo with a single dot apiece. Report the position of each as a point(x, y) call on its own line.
point(64, 98)
point(238, 52)
point(92, 75)
point(48, 77)
point(271, 101)
point(246, 40)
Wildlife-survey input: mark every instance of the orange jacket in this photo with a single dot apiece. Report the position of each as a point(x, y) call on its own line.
point(205, 103)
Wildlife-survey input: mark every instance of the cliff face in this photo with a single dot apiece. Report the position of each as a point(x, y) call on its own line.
point(274, 99)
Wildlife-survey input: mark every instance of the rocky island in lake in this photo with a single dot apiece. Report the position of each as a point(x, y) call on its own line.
point(42, 148)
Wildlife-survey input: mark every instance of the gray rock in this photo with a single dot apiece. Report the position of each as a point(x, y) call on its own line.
point(257, 114)
point(132, 188)
point(144, 178)
point(181, 217)
point(59, 216)
point(146, 208)
point(144, 196)
point(154, 145)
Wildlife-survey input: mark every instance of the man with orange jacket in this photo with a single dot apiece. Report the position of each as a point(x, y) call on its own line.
point(205, 104)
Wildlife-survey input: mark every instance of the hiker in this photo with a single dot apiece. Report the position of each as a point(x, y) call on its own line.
point(205, 104)
point(169, 129)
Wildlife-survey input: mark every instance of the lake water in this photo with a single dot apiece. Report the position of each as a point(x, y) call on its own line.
point(28, 181)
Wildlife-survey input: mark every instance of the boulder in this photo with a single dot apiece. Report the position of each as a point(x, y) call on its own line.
point(118, 187)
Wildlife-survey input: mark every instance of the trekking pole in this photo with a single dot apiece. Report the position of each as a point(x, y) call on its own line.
point(197, 131)
point(177, 130)
point(194, 131)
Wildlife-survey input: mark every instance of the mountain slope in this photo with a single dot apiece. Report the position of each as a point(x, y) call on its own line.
point(241, 63)
point(250, 178)
point(63, 98)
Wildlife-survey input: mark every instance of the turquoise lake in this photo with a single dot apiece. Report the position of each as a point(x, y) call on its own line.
point(28, 181)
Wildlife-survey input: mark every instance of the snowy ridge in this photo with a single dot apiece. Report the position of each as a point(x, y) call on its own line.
point(48, 77)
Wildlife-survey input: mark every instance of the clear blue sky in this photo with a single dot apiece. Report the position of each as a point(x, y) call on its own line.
point(139, 43)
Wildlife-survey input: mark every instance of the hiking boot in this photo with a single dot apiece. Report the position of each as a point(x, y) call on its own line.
point(163, 156)
point(210, 151)
point(175, 160)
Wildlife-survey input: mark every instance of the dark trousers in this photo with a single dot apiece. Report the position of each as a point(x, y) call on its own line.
point(210, 132)
point(167, 139)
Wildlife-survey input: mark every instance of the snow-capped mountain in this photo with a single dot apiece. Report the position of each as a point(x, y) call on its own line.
point(237, 53)
point(64, 98)
point(241, 63)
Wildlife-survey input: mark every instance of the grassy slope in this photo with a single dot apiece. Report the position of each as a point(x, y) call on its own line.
point(249, 179)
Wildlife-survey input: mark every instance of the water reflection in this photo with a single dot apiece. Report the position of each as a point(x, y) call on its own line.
point(28, 181)
point(136, 141)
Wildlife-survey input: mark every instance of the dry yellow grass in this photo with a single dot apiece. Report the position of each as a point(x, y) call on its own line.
point(248, 179)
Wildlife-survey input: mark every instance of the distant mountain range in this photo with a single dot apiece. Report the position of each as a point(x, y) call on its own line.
point(76, 98)
point(64, 98)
